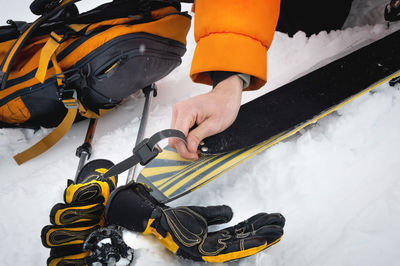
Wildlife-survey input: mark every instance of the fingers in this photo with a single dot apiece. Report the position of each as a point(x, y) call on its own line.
point(214, 214)
point(62, 214)
point(208, 128)
point(183, 118)
point(183, 121)
point(212, 112)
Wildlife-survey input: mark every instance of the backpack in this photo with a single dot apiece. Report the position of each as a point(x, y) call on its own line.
point(67, 66)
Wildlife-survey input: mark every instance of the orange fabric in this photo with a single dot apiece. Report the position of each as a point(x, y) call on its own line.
point(16, 45)
point(234, 35)
point(5, 47)
point(28, 58)
point(14, 111)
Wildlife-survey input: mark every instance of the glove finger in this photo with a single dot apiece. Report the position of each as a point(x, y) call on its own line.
point(64, 214)
point(94, 170)
point(71, 260)
point(214, 214)
point(91, 186)
point(259, 220)
point(89, 193)
point(221, 246)
point(68, 255)
point(267, 219)
point(55, 236)
point(270, 233)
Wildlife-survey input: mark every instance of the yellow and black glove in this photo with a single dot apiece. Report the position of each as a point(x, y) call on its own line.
point(184, 230)
point(81, 214)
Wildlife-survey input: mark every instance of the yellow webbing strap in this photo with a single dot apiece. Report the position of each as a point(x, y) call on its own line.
point(90, 114)
point(48, 141)
point(86, 112)
point(46, 54)
point(78, 27)
point(58, 70)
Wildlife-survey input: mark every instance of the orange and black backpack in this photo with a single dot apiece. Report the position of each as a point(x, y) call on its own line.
point(66, 66)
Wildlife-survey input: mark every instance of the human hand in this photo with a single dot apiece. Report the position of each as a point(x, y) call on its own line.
point(212, 112)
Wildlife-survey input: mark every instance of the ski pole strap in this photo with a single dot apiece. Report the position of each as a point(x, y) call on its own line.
point(145, 151)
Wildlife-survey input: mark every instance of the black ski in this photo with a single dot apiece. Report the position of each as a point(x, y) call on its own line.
point(309, 96)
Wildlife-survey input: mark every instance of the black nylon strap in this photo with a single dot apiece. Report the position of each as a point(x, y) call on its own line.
point(145, 151)
point(165, 134)
point(2, 74)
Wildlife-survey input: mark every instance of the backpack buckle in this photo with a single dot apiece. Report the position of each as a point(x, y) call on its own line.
point(70, 99)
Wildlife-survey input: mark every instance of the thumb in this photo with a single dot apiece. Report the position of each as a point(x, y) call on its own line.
point(202, 131)
point(214, 214)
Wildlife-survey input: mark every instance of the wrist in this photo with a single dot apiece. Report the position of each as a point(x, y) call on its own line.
point(232, 85)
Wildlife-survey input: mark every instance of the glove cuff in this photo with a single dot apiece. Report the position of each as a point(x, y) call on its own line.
point(131, 207)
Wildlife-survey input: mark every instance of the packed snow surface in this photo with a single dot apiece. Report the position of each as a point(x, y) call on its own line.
point(337, 183)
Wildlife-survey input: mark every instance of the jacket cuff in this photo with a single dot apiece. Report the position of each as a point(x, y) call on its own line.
point(218, 76)
point(230, 52)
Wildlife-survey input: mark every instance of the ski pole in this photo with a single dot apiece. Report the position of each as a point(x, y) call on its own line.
point(149, 92)
point(84, 151)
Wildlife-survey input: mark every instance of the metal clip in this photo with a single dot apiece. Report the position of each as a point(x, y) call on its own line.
point(70, 99)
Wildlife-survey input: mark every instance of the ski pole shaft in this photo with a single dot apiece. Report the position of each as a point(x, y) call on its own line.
point(149, 92)
point(85, 150)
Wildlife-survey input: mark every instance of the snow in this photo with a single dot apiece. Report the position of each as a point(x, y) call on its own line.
point(337, 183)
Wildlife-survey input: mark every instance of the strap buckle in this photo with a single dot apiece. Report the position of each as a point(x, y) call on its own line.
point(146, 152)
point(20, 26)
point(70, 99)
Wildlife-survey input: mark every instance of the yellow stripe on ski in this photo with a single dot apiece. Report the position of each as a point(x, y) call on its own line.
point(171, 155)
point(187, 179)
point(189, 168)
point(152, 171)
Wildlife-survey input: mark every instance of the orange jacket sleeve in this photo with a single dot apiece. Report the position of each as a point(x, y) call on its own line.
point(233, 35)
